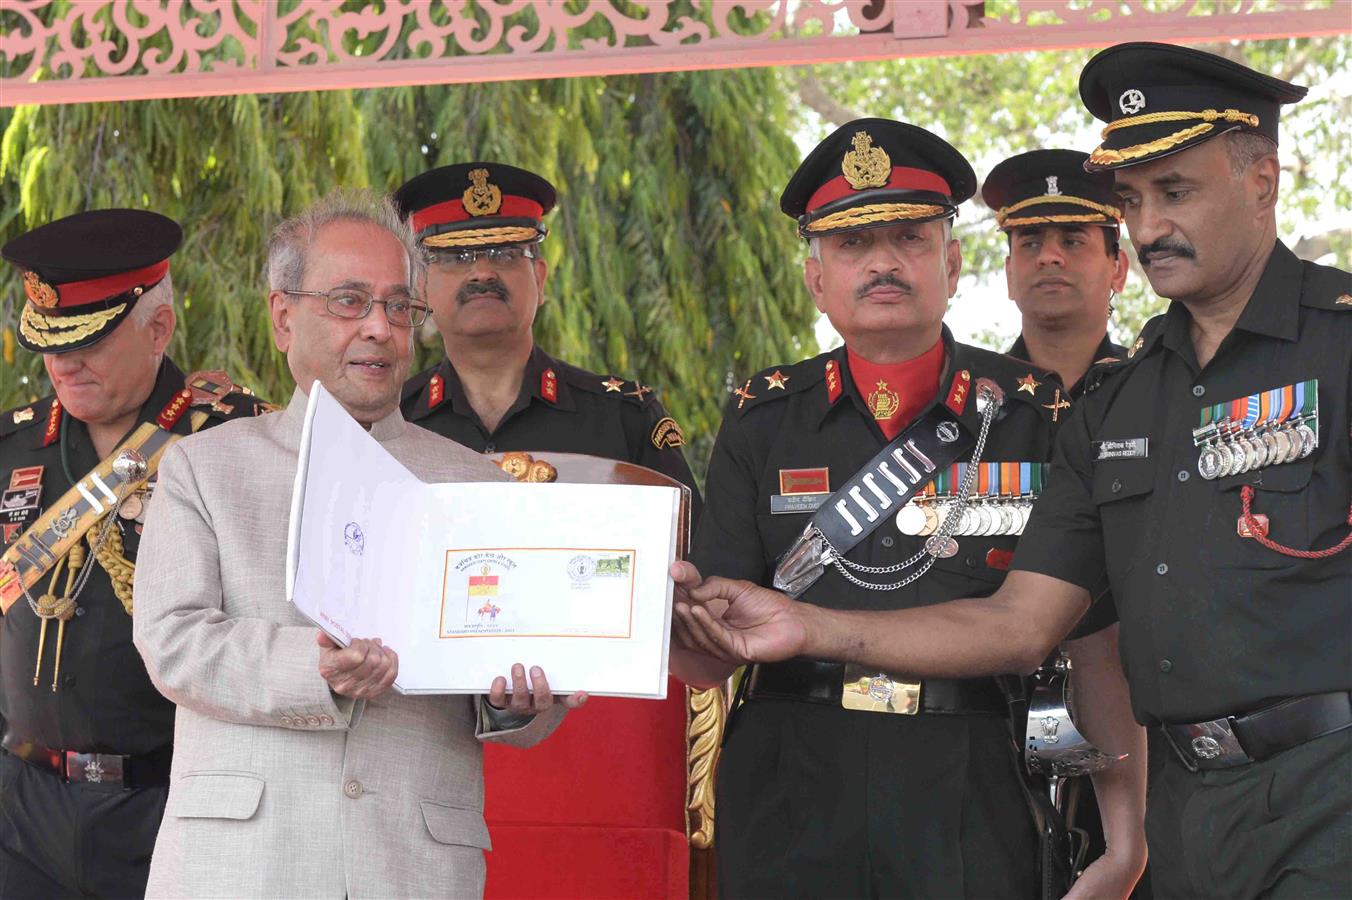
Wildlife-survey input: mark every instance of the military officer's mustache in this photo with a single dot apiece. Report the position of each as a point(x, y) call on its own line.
point(471, 289)
point(1165, 247)
point(887, 279)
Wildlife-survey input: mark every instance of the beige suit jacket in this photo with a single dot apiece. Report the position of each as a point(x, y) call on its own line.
point(279, 787)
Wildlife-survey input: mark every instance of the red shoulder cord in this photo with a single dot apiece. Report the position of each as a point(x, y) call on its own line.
point(1256, 532)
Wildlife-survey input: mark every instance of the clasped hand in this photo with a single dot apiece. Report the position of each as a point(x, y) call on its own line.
point(366, 668)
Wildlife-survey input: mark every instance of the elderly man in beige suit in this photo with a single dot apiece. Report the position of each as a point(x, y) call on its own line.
point(296, 772)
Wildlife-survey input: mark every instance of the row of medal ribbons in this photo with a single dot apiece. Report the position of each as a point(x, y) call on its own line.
point(1000, 501)
point(1268, 428)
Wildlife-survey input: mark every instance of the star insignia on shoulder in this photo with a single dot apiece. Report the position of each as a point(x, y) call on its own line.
point(612, 384)
point(1029, 384)
point(23, 415)
point(1140, 342)
point(638, 391)
point(1344, 300)
point(776, 380)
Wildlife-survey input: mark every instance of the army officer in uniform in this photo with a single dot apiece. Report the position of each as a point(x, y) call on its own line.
point(84, 768)
point(835, 780)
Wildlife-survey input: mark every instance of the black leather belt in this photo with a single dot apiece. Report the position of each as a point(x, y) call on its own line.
point(1238, 740)
point(144, 770)
point(811, 681)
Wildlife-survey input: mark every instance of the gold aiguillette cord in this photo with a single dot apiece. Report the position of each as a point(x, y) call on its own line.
point(49, 607)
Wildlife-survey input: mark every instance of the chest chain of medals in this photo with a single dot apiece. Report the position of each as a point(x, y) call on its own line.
point(988, 400)
point(131, 468)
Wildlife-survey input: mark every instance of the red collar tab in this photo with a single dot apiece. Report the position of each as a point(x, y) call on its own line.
point(174, 409)
point(53, 423)
point(80, 293)
point(896, 393)
point(436, 391)
point(957, 394)
point(903, 178)
point(549, 385)
point(833, 388)
point(454, 211)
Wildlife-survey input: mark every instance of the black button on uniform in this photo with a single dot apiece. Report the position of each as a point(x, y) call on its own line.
point(1183, 475)
point(1117, 486)
point(887, 541)
point(1198, 390)
point(1166, 666)
point(1161, 569)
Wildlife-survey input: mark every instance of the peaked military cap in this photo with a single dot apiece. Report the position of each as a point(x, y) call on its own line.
point(83, 274)
point(1050, 187)
point(1159, 99)
point(476, 204)
point(873, 172)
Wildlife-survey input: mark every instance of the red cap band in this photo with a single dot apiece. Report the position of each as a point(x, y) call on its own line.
point(79, 293)
point(454, 211)
point(903, 179)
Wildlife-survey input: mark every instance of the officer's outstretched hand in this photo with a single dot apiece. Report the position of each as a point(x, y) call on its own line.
point(362, 670)
point(736, 621)
point(529, 699)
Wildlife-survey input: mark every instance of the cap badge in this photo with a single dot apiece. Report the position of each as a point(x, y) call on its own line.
point(39, 292)
point(1131, 102)
point(866, 166)
point(1052, 189)
point(481, 198)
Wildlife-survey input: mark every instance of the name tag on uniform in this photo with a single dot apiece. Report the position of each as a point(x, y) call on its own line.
point(801, 490)
point(1129, 448)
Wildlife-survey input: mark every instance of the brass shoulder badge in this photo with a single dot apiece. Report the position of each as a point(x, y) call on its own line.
point(481, 198)
point(866, 166)
point(39, 292)
point(667, 433)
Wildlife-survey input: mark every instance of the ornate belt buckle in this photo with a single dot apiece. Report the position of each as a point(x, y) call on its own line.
point(868, 690)
point(1207, 745)
point(94, 768)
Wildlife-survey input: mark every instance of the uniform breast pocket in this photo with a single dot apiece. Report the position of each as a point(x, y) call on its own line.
point(979, 566)
point(779, 532)
point(1122, 491)
point(1280, 494)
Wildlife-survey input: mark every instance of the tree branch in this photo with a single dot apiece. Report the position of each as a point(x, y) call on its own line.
point(815, 97)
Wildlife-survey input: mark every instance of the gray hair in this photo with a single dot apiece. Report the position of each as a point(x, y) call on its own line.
point(1244, 148)
point(814, 245)
point(161, 294)
point(289, 246)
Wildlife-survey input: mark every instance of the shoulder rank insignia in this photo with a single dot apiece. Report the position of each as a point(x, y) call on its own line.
point(23, 415)
point(833, 384)
point(744, 393)
point(1058, 403)
point(1140, 342)
point(612, 385)
point(957, 394)
point(1030, 384)
point(549, 385)
point(776, 380)
point(639, 391)
point(436, 391)
point(666, 433)
point(53, 430)
point(1344, 300)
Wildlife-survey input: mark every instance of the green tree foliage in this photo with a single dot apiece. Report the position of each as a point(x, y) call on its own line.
point(667, 253)
point(992, 107)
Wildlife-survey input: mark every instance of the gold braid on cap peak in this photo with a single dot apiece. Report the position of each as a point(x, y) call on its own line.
point(1105, 156)
point(1002, 215)
point(872, 213)
point(57, 332)
point(477, 237)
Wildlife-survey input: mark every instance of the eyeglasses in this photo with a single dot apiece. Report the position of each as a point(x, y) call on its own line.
point(497, 257)
point(352, 303)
